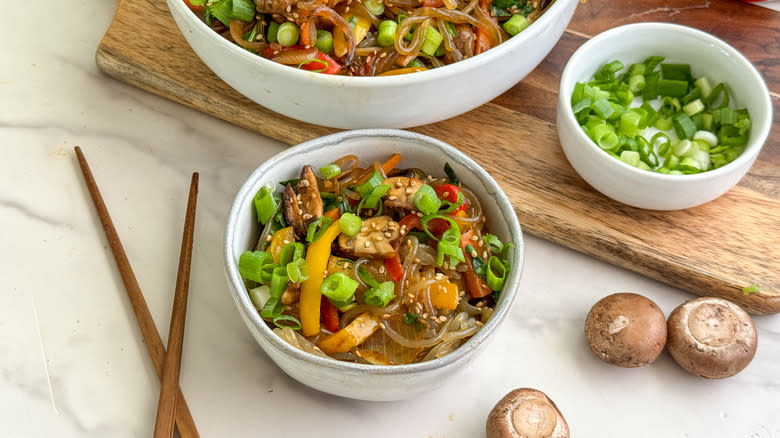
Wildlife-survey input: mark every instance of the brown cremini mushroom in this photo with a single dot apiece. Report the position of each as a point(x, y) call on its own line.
point(526, 413)
point(402, 191)
point(377, 238)
point(711, 337)
point(626, 329)
point(305, 206)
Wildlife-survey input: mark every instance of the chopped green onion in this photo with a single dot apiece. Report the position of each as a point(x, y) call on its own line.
point(678, 72)
point(608, 71)
point(259, 296)
point(281, 319)
point(604, 136)
point(449, 245)
point(380, 296)
point(694, 107)
point(366, 277)
point(410, 318)
point(250, 264)
point(449, 207)
point(516, 24)
point(495, 274)
point(652, 62)
point(602, 107)
point(291, 252)
point(753, 288)
point(265, 204)
point(368, 186)
point(636, 83)
point(451, 174)
point(672, 88)
point(630, 157)
point(298, 270)
point(707, 136)
point(386, 33)
point(432, 41)
point(313, 233)
point(324, 41)
point(684, 126)
point(704, 86)
point(338, 287)
point(330, 171)
point(274, 307)
point(372, 200)
point(376, 7)
point(243, 10)
point(650, 92)
point(426, 201)
point(350, 224)
point(629, 123)
point(288, 34)
point(222, 10)
point(273, 32)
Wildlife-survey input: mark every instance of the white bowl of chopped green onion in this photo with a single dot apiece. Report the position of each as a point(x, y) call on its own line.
point(661, 116)
point(315, 357)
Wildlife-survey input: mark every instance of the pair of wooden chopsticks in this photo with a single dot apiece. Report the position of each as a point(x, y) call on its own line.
point(171, 402)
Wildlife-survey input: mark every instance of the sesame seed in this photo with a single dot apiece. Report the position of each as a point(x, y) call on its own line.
point(386, 316)
point(303, 182)
point(409, 190)
point(295, 14)
point(388, 234)
point(484, 254)
point(416, 260)
point(445, 194)
point(367, 244)
point(383, 54)
point(474, 253)
point(378, 238)
point(474, 238)
point(346, 9)
point(419, 213)
point(364, 229)
point(425, 315)
point(398, 184)
point(480, 304)
point(289, 8)
point(307, 216)
point(392, 198)
point(382, 325)
point(285, 241)
point(382, 269)
point(268, 238)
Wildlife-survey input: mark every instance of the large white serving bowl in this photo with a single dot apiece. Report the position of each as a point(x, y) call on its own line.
point(708, 56)
point(376, 102)
point(363, 381)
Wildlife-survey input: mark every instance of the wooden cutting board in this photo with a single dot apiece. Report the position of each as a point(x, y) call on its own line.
point(715, 249)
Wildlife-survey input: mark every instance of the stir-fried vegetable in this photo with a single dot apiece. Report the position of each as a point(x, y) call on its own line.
point(399, 269)
point(370, 37)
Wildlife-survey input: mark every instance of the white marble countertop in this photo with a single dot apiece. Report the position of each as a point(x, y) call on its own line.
point(72, 361)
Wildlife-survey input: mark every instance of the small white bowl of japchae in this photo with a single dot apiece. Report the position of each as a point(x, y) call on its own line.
point(372, 63)
point(372, 264)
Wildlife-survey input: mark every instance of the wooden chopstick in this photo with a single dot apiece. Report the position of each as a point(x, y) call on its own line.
point(166, 406)
point(184, 421)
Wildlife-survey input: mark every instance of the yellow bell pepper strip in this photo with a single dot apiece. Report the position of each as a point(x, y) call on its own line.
point(360, 30)
point(316, 259)
point(280, 238)
point(403, 71)
point(444, 295)
point(350, 336)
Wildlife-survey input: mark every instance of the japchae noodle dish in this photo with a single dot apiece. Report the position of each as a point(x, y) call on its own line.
point(374, 264)
point(368, 37)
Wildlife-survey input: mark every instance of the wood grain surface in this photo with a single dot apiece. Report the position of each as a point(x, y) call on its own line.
point(713, 250)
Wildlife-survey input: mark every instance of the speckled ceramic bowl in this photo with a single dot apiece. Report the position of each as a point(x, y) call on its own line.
point(362, 381)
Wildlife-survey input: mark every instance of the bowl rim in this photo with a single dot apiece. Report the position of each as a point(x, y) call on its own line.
point(246, 193)
point(755, 144)
point(440, 73)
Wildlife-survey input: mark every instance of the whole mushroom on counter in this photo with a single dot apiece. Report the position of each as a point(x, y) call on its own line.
point(626, 329)
point(711, 337)
point(526, 413)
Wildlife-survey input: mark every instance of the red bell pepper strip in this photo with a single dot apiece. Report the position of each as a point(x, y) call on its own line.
point(195, 8)
point(476, 286)
point(395, 268)
point(330, 315)
point(330, 65)
point(449, 192)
